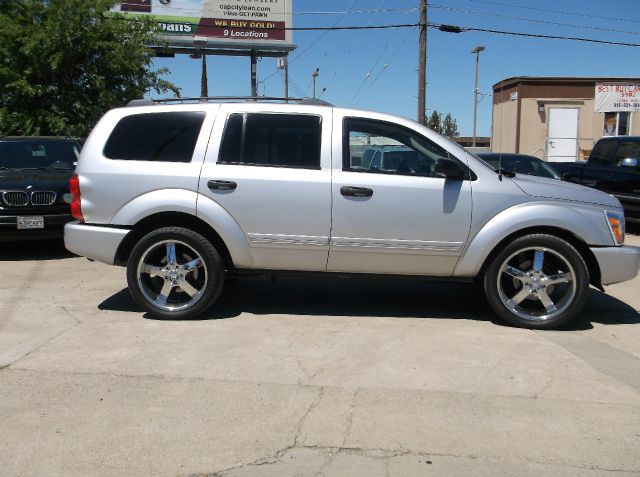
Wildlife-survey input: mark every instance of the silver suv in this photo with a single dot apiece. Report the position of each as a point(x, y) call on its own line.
point(185, 194)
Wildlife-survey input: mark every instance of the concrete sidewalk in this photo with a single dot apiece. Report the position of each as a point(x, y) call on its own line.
point(325, 377)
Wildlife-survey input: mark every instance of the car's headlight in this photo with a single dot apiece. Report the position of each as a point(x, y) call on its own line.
point(615, 221)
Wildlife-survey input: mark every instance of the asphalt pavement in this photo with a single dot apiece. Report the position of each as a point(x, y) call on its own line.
point(314, 377)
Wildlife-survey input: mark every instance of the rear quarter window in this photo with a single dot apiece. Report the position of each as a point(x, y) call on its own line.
point(156, 137)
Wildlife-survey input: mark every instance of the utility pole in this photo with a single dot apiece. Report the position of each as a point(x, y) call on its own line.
point(315, 75)
point(476, 51)
point(254, 73)
point(283, 64)
point(286, 76)
point(422, 68)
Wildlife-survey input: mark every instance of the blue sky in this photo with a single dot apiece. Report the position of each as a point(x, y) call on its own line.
point(352, 63)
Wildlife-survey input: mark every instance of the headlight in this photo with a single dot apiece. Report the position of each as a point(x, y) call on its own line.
point(615, 220)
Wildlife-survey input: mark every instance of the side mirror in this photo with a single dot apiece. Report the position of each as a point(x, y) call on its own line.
point(449, 169)
point(629, 162)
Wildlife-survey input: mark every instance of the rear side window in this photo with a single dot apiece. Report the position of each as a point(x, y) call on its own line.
point(603, 151)
point(161, 137)
point(273, 140)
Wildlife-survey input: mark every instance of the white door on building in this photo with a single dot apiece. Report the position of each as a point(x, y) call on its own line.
point(562, 145)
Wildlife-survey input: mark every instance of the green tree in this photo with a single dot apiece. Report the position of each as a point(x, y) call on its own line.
point(450, 127)
point(434, 122)
point(63, 63)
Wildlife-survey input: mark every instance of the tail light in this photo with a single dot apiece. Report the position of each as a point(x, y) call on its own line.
point(74, 188)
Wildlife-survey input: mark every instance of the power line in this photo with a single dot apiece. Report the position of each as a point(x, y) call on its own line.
point(445, 28)
point(551, 37)
point(375, 10)
point(386, 66)
point(531, 20)
point(315, 42)
point(199, 12)
point(561, 12)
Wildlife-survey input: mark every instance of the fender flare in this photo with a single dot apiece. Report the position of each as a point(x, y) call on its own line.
point(579, 222)
point(196, 205)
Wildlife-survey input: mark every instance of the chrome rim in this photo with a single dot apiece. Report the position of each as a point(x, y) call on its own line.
point(536, 284)
point(172, 275)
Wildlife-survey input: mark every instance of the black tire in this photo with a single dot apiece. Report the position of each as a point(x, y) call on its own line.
point(191, 270)
point(538, 281)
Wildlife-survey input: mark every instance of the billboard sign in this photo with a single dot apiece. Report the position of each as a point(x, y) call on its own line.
point(615, 97)
point(235, 24)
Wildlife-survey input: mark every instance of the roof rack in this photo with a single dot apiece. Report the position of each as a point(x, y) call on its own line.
point(219, 99)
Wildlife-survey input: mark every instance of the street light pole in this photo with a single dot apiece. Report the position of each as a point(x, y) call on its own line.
point(476, 51)
point(315, 75)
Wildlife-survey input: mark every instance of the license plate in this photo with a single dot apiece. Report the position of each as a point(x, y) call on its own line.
point(30, 222)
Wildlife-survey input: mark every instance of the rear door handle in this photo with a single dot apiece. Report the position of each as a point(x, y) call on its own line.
point(351, 191)
point(222, 185)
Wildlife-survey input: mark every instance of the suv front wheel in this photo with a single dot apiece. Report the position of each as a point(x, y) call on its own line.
point(174, 273)
point(538, 281)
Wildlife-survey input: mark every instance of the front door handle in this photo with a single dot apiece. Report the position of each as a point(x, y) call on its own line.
point(222, 185)
point(351, 191)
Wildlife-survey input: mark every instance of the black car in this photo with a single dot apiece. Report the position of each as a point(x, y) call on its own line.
point(520, 164)
point(613, 167)
point(34, 186)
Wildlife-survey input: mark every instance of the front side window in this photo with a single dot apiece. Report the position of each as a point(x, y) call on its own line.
point(272, 140)
point(628, 155)
point(159, 137)
point(393, 149)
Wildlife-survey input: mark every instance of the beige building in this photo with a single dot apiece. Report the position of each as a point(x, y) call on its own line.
point(559, 119)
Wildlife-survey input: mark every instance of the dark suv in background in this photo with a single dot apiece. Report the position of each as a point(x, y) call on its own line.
point(34, 186)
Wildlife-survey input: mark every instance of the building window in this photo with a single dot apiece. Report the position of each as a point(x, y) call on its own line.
point(616, 124)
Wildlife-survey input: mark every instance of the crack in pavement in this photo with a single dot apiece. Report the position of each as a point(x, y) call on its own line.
point(385, 455)
point(347, 430)
point(77, 322)
point(277, 456)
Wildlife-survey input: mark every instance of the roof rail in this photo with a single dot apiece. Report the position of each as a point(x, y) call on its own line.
point(140, 102)
point(218, 99)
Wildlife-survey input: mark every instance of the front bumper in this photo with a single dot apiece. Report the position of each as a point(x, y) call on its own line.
point(53, 227)
point(617, 264)
point(94, 241)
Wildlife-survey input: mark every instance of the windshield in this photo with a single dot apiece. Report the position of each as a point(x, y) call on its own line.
point(36, 154)
point(520, 164)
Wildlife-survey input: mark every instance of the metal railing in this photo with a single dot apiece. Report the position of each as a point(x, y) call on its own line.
point(581, 152)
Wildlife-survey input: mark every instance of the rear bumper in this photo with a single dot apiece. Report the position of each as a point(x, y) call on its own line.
point(617, 264)
point(94, 241)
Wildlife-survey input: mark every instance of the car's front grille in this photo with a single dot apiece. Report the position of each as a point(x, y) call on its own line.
point(15, 198)
point(43, 198)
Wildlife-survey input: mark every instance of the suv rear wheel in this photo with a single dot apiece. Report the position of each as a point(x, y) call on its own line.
point(175, 273)
point(537, 281)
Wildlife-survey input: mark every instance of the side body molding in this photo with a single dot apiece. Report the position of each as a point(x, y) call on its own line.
point(191, 203)
point(584, 222)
